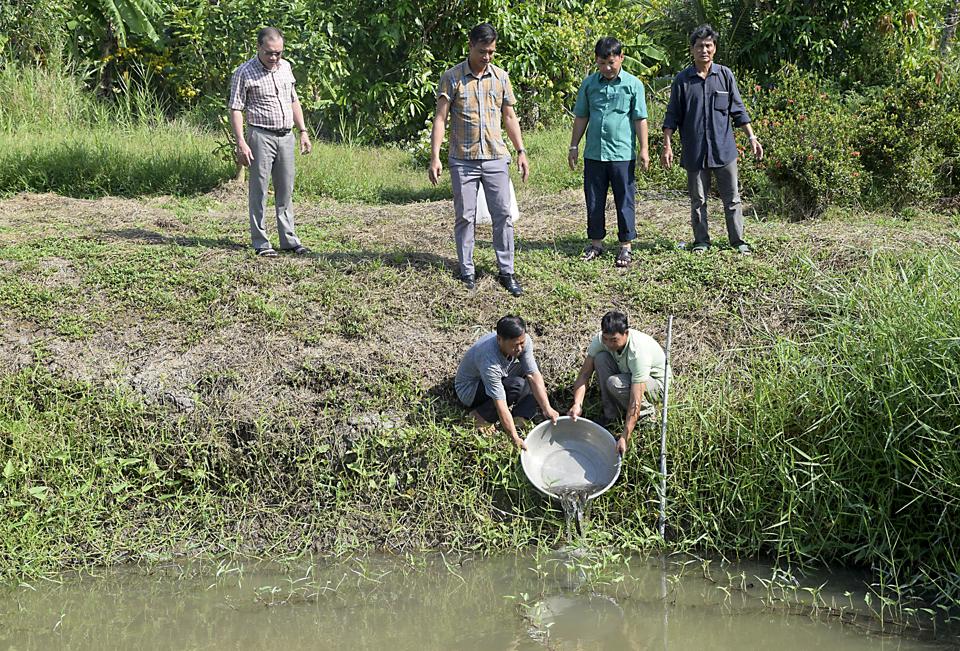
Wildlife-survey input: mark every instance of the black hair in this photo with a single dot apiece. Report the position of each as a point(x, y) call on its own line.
point(704, 31)
point(511, 327)
point(614, 323)
point(608, 46)
point(483, 33)
point(268, 34)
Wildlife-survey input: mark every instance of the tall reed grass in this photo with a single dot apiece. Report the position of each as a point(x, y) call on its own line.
point(840, 445)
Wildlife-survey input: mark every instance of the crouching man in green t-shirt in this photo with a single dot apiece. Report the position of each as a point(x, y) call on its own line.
point(630, 369)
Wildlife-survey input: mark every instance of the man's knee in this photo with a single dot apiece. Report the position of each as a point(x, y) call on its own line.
point(515, 388)
point(613, 383)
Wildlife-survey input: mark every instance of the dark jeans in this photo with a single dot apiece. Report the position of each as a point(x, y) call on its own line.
point(621, 176)
point(520, 400)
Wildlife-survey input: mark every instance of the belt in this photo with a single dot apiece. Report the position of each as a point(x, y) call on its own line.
point(276, 132)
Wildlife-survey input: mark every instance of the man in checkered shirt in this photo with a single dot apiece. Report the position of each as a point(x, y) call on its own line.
point(263, 89)
point(478, 97)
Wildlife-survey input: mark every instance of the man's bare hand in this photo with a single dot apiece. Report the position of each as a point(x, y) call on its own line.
point(553, 415)
point(433, 172)
point(305, 145)
point(524, 166)
point(622, 445)
point(666, 157)
point(244, 154)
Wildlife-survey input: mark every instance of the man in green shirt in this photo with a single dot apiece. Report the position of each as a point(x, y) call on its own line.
point(611, 107)
point(630, 370)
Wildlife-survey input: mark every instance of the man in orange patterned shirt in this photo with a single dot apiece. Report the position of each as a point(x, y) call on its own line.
point(478, 98)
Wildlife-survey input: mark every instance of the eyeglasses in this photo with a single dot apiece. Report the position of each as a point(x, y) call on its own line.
point(272, 53)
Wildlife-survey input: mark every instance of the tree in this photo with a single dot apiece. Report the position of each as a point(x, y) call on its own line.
point(110, 21)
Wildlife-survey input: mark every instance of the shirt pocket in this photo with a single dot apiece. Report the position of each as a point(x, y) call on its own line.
point(621, 104)
point(492, 100)
point(721, 101)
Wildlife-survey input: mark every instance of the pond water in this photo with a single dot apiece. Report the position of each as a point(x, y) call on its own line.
point(556, 600)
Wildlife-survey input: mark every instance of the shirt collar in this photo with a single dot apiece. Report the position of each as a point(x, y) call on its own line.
point(467, 72)
point(714, 70)
point(265, 68)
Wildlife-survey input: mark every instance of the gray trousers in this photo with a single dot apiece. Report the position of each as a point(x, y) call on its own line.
point(698, 185)
point(272, 158)
point(467, 175)
point(615, 386)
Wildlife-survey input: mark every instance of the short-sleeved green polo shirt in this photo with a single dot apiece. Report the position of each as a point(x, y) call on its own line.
point(612, 107)
point(642, 357)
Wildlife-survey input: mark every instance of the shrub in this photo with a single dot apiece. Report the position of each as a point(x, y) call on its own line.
point(812, 158)
point(909, 135)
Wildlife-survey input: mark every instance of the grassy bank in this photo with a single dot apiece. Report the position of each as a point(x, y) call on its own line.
point(164, 391)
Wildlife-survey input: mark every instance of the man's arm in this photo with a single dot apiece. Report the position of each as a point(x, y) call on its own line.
point(640, 127)
point(738, 113)
point(671, 119)
point(579, 126)
point(512, 125)
point(244, 154)
point(755, 145)
point(540, 395)
point(633, 413)
point(305, 145)
point(436, 138)
point(506, 419)
point(580, 387)
point(666, 156)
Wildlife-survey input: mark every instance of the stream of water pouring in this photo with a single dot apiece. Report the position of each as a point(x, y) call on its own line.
point(576, 510)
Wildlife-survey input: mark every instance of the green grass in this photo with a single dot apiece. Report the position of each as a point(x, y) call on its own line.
point(171, 392)
point(56, 137)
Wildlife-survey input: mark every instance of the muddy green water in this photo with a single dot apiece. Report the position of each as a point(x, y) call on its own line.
point(525, 602)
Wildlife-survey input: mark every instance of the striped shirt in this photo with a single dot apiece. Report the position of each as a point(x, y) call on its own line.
point(266, 96)
point(476, 105)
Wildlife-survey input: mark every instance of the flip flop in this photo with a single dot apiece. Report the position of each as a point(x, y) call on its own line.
point(623, 257)
point(266, 253)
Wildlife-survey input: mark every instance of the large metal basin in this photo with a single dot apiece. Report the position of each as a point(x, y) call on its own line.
point(571, 456)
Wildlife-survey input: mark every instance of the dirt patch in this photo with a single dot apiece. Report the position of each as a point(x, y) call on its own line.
point(389, 269)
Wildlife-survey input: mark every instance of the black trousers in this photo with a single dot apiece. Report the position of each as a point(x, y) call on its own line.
point(520, 400)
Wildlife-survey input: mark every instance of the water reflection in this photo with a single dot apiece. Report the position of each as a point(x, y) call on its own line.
point(562, 600)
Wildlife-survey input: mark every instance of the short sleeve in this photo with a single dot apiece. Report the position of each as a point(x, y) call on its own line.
point(446, 87)
point(582, 108)
point(238, 95)
point(508, 97)
point(639, 358)
point(640, 102)
point(528, 364)
point(492, 380)
point(596, 346)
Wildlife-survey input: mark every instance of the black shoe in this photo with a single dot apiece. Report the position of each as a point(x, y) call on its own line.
point(509, 282)
point(469, 281)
